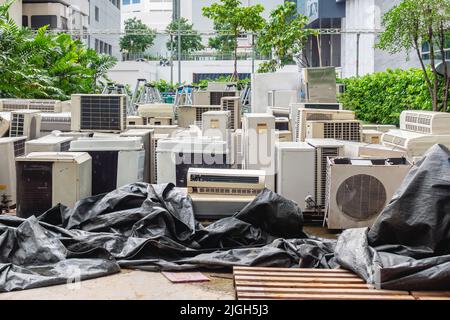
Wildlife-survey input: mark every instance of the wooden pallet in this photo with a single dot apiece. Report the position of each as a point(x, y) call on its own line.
point(314, 284)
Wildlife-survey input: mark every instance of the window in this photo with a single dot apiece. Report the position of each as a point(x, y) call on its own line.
point(136, 1)
point(96, 45)
point(126, 2)
point(97, 14)
point(64, 23)
point(25, 21)
point(40, 21)
point(110, 50)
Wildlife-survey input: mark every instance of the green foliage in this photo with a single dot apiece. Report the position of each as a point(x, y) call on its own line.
point(381, 97)
point(138, 36)
point(241, 83)
point(43, 65)
point(232, 18)
point(164, 86)
point(189, 43)
point(283, 35)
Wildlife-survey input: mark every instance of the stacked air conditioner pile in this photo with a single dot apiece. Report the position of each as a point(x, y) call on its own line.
point(419, 130)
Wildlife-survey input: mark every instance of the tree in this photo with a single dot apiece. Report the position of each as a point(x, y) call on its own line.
point(283, 35)
point(235, 19)
point(223, 43)
point(412, 24)
point(138, 36)
point(190, 40)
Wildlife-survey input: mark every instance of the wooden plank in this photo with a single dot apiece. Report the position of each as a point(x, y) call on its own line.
point(291, 270)
point(302, 284)
point(292, 296)
point(365, 291)
point(299, 279)
point(431, 295)
point(432, 298)
point(295, 274)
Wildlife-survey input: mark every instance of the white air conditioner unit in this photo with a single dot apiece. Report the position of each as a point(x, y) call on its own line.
point(295, 171)
point(10, 148)
point(201, 97)
point(175, 156)
point(30, 104)
point(146, 135)
point(258, 141)
point(156, 110)
point(379, 127)
point(48, 143)
point(99, 112)
point(415, 144)
point(221, 86)
point(154, 167)
point(283, 136)
point(359, 189)
point(41, 186)
point(216, 124)
point(74, 135)
point(236, 149)
point(159, 129)
point(25, 123)
point(116, 161)
point(135, 120)
point(192, 115)
point(160, 121)
point(318, 84)
point(303, 115)
point(325, 148)
point(278, 111)
point(347, 130)
point(281, 98)
point(223, 192)
point(371, 136)
point(56, 121)
point(5, 121)
point(426, 122)
point(364, 150)
point(233, 104)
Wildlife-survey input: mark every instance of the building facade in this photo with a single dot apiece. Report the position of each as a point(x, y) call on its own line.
point(15, 12)
point(156, 14)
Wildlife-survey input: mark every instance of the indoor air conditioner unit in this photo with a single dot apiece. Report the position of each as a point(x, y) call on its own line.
point(303, 115)
point(223, 192)
point(56, 121)
point(258, 144)
point(414, 143)
point(156, 110)
point(371, 136)
point(48, 143)
point(25, 123)
point(379, 127)
point(364, 150)
point(216, 124)
point(175, 156)
point(190, 115)
point(325, 148)
point(10, 149)
point(318, 84)
point(282, 124)
point(160, 121)
point(30, 104)
point(233, 104)
point(347, 130)
point(281, 98)
point(115, 161)
point(295, 171)
point(146, 135)
point(41, 186)
point(5, 120)
point(236, 147)
point(135, 120)
point(99, 112)
point(154, 168)
point(427, 122)
point(283, 136)
point(359, 189)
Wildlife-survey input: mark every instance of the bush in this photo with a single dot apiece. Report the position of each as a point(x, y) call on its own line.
point(381, 97)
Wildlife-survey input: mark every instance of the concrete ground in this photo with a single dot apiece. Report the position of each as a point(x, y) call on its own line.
point(141, 285)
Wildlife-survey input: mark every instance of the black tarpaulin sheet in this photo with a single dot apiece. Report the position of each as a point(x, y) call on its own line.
point(152, 227)
point(408, 246)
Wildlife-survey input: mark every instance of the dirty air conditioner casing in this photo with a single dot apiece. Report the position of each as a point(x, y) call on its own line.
point(192, 115)
point(42, 105)
point(135, 120)
point(371, 136)
point(116, 161)
point(283, 136)
point(216, 193)
point(426, 122)
point(48, 143)
point(359, 189)
point(10, 149)
point(154, 168)
point(41, 186)
point(25, 123)
point(156, 110)
point(236, 149)
point(99, 112)
point(281, 98)
point(216, 124)
point(364, 150)
point(175, 156)
point(348, 130)
point(325, 148)
point(233, 104)
point(56, 121)
point(5, 121)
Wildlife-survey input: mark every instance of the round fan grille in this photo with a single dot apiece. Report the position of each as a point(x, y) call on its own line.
point(361, 196)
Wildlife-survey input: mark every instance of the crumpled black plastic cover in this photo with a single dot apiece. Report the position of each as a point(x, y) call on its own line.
point(152, 227)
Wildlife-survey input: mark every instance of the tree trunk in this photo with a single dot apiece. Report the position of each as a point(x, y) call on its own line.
point(433, 68)
point(442, 39)
point(424, 69)
point(235, 73)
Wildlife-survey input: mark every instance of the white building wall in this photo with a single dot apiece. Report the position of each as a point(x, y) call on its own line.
point(15, 12)
point(156, 14)
point(109, 22)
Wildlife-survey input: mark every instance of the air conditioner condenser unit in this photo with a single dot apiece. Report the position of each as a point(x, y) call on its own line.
point(49, 143)
point(147, 139)
point(5, 120)
point(56, 121)
point(192, 115)
point(348, 130)
point(25, 123)
point(234, 105)
point(216, 124)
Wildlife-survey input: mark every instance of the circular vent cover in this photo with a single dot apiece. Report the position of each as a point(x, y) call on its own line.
point(361, 197)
